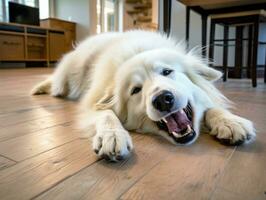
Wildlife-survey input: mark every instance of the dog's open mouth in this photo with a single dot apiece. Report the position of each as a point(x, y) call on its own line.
point(179, 125)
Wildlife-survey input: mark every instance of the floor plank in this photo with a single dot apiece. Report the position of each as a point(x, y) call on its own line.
point(34, 176)
point(23, 105)
point(190, 173)
point(104, 180)
point(5, 163)
point(248, 164)
point(30, 126)
point(12, 118)
point(26, 146)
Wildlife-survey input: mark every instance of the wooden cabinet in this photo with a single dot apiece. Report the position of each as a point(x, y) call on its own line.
point(31, 43)
point(57, 45)
point(68, 27)
point(36, 48)
point(12, 47)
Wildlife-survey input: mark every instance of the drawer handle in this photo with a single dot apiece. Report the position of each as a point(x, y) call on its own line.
point(11, 43)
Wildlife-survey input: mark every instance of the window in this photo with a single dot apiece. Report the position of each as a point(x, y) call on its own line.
point(32, 3)
point(1, 10)
point(108, 15)
point(44, 8)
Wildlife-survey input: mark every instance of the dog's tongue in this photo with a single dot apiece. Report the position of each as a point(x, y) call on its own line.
point(177, 122)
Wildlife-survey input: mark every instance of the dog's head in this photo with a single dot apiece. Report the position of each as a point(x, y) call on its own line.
point(157, 91)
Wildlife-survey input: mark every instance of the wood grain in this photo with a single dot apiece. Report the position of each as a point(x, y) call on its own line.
point(42, 155)
point(35, 125)
point(248, 164)
point(5, 163)
point(190, 173)
point(32, 177)
point(25, 46)
point(104, 180)
point(9, 119)
point(29, 145)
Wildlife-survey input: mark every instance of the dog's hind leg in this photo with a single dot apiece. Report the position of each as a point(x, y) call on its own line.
point(230, 129)
point(56, 84)
point(43, 87)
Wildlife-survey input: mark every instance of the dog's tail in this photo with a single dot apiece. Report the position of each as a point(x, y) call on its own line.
point(43, 87)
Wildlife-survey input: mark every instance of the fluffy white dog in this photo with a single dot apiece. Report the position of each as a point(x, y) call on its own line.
point(144, 82)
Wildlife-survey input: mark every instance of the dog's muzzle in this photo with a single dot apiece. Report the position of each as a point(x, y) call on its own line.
point(178, 123)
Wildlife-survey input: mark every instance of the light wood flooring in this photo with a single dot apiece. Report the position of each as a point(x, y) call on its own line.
point(43, 155)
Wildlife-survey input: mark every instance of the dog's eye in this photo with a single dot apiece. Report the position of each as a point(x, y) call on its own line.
point(135, 90)
point(166, 72)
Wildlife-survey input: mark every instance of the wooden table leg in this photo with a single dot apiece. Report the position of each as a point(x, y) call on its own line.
point(225, 52)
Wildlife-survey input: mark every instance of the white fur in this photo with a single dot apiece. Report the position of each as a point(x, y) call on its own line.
point(103, 70)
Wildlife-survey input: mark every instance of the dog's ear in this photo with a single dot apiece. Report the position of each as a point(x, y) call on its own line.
point(197, 66)
point(206, 72)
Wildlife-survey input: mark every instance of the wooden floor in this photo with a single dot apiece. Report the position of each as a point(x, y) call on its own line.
point(43, 155)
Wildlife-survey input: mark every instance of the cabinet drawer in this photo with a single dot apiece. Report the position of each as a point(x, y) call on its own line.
point(57, 46)
point(36, 47)
point(11, 47)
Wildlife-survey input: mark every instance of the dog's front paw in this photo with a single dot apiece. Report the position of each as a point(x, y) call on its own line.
point(233, 130)
point(112, 144)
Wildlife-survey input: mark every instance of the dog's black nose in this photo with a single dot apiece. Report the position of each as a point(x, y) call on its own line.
point(164, 101)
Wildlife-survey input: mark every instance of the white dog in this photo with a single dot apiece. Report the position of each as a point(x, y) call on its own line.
point(144, 82)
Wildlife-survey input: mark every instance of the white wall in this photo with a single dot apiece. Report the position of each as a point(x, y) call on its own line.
point(178, 28)
point(78, 11)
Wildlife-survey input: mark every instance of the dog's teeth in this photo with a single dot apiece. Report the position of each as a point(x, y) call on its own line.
point(175, 134)
point(188, 129)
point(164, 120)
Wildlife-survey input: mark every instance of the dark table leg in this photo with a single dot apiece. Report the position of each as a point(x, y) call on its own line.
point(225, 52)
point(238, 52)
point(250, 30)
point(167, 6)
point(255, 53)
point(212, 35)
point(265, 68)
point(203, 34)
point(187, 25)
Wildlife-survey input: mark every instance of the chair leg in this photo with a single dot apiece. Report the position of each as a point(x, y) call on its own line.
point(225, 52)
point(203, 34)
point(167, 16)
point(238, 52)
point(255, 53)
point(265, 68)
point(249, 61)
point(212, 36)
